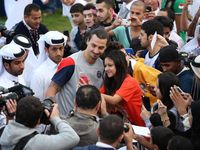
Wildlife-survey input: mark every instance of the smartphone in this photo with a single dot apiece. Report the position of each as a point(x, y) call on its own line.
point(148, 9)
point(83, 76)
point(179, 89)
point(146, 103)
point(129, 51)
point(143, 86)
point(125, 22)
point(155, 107)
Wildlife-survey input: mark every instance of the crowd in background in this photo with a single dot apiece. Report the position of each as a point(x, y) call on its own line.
point(129, 62)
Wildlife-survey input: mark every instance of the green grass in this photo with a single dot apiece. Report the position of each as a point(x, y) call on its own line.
point(2, 20)
point(56, 22)
point(53, 22)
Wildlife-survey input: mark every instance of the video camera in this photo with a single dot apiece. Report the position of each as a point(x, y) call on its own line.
point(16, 92)
point(6, 33)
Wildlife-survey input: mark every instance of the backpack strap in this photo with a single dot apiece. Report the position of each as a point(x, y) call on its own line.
point(22, 142)
point(1, 130)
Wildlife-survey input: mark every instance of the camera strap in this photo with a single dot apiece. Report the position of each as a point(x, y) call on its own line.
point(22, 142)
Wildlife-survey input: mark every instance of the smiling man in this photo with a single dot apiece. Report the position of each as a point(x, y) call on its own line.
point(65, 82)
point(31, 26)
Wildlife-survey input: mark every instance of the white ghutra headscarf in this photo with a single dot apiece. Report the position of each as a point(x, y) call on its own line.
point(51, 38)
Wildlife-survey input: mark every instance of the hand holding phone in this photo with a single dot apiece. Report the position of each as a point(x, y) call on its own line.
point(129, 51)
point(83, 78)
point(179, 90)
point(126, 22)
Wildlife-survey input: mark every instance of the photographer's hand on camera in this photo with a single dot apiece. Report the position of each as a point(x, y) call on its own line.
point(128, 138)
point(11, 106)
point(54, 112)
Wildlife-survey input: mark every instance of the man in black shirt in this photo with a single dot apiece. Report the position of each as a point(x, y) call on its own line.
point(31, 26)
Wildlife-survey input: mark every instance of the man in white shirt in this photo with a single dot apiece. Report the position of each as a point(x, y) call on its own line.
point(12, 57)
point(53, 44)
point(152, 39)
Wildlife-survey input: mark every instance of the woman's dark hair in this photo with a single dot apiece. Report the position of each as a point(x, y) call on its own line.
point(166, 80)
point(114, 83)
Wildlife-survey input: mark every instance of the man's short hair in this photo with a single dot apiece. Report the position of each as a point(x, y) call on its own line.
point(87, 97)
point(89, 6)
point(29, 111)
point(108, 3)
point(160, 136)
point(139, 3)
point(31, 7)
point(100, 32)
point(77, 8)
point(110, 129)
point(166, 22)
point(151, 26)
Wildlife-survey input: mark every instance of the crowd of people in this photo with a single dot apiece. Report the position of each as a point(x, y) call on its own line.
point(139, 65)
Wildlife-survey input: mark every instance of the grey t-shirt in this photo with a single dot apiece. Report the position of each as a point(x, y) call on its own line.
point(67, 77)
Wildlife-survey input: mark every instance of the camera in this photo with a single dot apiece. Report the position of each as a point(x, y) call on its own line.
point(47, 104)
point(16, 92)
point(4, 99)
point(148, 8)
point(6, 33)
point(126, 22)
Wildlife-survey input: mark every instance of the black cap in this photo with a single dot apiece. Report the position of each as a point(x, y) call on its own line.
point(169, 53)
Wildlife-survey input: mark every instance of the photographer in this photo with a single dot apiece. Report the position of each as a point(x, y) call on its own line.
point(28, 115)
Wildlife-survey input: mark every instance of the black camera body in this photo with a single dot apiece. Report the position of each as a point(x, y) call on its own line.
point(16, 92)
point(4, 99)
point(6, 33)
point(47, 104)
